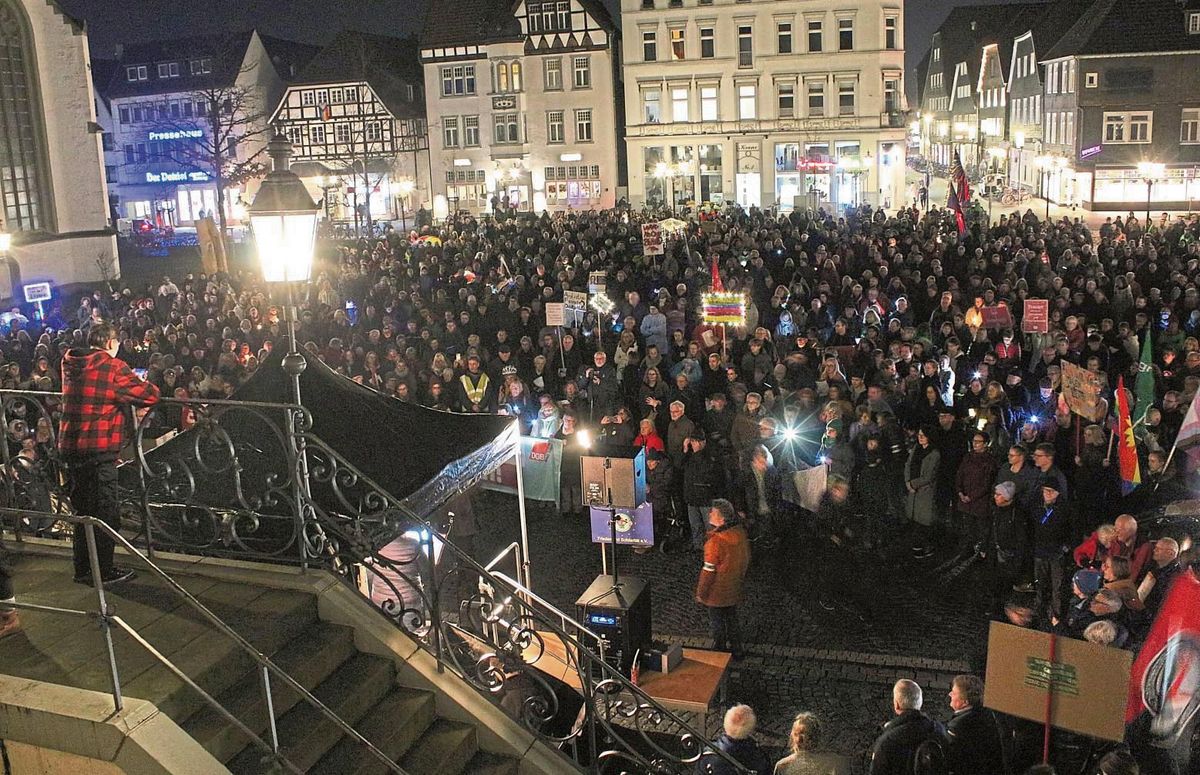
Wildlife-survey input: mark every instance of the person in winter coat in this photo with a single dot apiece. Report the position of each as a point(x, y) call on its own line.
point(973, 492)
point(873, 490)
point(1051, 523)
point(654, 329)
point(703, 478)
point(973, 737)
point(737, 741)
point(895, 749)
point(920, 480)
point(659, 487)
point(726, 560)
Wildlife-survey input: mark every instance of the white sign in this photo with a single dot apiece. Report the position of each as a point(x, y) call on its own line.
point(576, 301)
point(597, 282)
point(35, 292)
point(555, 314)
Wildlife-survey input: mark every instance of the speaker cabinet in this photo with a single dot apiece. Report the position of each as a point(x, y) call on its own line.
point(621, 616)
point(621, 472)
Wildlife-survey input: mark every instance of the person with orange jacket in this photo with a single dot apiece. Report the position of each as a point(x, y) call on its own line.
point(719, 589)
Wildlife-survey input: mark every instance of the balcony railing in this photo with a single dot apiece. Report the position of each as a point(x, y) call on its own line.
point(251, 481)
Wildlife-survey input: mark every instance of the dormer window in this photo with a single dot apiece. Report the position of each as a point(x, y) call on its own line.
point(1194, 23)
point(135, 73)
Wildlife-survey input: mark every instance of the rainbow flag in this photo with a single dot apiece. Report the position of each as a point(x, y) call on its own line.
point(1127, 457)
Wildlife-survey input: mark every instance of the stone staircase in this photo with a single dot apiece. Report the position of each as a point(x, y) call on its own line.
point(361, 688)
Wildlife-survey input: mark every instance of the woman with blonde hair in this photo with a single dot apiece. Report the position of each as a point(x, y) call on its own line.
point(804, 758)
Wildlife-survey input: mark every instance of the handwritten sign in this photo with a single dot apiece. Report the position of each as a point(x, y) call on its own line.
point(996, 316)
point(555, 314)
point(1081, 389)
point(1036, 319)
point(652, 239)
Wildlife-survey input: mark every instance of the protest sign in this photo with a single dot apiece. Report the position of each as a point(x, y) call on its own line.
point(996, 316)
point(555, 314)
point(1081, 389)
point(635, 527)
point(541, 467)
point(652, 240)
point(1036, 319)
point(597, 282)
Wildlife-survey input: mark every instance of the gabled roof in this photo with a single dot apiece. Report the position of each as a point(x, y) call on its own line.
point(465, 22)
point(289, 57)
point(1126, 27)
point(1054, 22)
point(968, 28)
point(389, 65)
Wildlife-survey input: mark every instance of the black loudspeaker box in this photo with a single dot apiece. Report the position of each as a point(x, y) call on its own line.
point(620, 471)
point(620, 616)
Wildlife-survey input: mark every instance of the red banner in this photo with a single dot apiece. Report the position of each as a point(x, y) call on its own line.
point(1165, 681)
point(1036, 319)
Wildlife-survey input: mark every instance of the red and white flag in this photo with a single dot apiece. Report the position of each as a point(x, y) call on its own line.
point(1165, 680)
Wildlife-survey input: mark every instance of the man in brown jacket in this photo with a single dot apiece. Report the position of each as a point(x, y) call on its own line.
point(726, 558)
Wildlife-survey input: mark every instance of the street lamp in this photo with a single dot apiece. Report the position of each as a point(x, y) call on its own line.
point(1150, 171)
point(405, 187)
point(284, 220)
point(1019, 144)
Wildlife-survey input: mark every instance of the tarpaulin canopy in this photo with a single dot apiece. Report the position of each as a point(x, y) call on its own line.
point(420, 456)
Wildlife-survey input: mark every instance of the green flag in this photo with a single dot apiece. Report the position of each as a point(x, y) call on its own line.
point(1144, 386)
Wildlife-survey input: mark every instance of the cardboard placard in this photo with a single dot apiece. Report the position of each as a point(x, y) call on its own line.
point(652, 239)
point(555, 314)
point(1090, 682)
point(1081, 389)
point(1036, 319)
point(575, 301)
point(996, 316)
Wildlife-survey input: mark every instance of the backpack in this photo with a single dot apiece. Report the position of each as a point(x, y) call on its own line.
point(930, 758)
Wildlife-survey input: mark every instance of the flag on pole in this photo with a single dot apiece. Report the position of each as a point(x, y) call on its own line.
point(717, 285)
point(1189, 432)
point(1127, 457)
point(1144, 386)
point(959, 192)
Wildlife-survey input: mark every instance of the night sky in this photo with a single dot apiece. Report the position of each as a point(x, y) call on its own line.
point(314, 21)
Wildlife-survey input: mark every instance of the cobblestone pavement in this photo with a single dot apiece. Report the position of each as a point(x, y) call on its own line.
point(892, 617)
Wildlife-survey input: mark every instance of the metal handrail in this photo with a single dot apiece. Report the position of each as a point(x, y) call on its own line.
point(90, 524)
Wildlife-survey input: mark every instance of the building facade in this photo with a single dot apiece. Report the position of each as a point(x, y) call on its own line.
point(767, 104)
point(1122, 95)
point(522, 105)
point(185, 112)
point(52, 190)
point(356, 120)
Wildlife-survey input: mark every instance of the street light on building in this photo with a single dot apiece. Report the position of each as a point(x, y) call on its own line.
point(1150, 172)
point(5, 244)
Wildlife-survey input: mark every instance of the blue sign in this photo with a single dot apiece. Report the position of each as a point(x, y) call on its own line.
point(635, 527)
point(1090, 151)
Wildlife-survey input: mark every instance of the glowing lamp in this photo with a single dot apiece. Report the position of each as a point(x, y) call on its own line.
point(284, 219)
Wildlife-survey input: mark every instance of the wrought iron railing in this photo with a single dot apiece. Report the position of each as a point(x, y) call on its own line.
point(251, 481)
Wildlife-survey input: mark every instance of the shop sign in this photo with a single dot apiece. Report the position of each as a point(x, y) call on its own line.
point(177, 177)
point(1090, 151)
point(176, 134)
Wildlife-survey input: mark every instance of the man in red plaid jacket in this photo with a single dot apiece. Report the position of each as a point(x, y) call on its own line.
point(97, 388)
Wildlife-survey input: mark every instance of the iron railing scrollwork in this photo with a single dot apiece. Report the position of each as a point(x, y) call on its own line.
point(251, 481)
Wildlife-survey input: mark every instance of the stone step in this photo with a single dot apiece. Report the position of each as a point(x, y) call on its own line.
point(305, 735)
point(444, 749)
point(393, 726)
point(485, 763)
point(215, 662)
point(309, 660)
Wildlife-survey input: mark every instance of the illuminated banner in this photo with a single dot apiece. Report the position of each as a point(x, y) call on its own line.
point(177, 177)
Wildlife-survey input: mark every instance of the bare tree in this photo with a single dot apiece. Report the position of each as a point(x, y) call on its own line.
point(224, 139)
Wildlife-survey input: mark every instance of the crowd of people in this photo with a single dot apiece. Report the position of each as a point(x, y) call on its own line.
point(863, 351)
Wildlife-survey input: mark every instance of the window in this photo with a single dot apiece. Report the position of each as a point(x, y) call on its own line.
point(652, 106)
point(846, 99)
point(745, 46)
point(679, 105)
point(708, 43)
point(450, 132)
point(583, 125)
point(783, 37)
point(129, 157)
point(456, 81)
point(342, 133)
point(24, 192)
point(678, 47)
point(502, 77)
point(506, 128)
point(187, 109)
point(141, 153)
point(168, 70)
point(709, 103)
point(787, 100)
point(317, 133)
point(471, 131)
point(552, 74)
point(816, 99)
point(1194, 23)
point(1091, 80)
point(555, 132)
point(202, 66)
point(123, 115)
point(137, 73)
point(373, 131)
point(747, 101)
point(889, 32)
point(814, 36)
point(1189, 126)
point(937, 54)
point(295, 135)
point(845, 34)
point(1127, 127)
point(563, 15)
point(891, 96)
point(335, 96)
point(306, 98)
point(583, 72)
point(649, 46)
